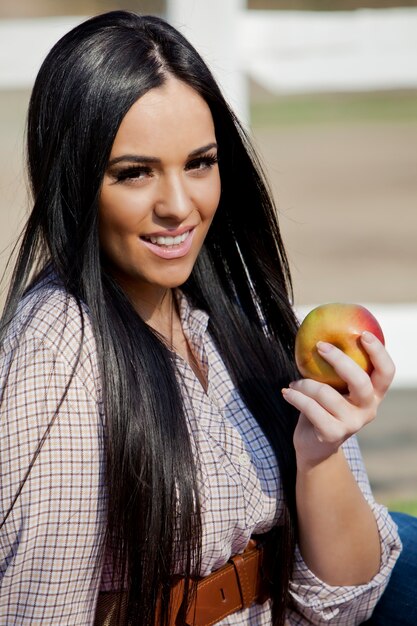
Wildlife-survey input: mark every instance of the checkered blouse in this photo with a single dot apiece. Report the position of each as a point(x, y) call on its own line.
point(51, 562)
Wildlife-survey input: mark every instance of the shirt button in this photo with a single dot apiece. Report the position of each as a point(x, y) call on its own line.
point(244, 459)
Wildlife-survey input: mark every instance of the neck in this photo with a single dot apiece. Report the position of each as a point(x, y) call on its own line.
point(151, 302)
point(156, 306)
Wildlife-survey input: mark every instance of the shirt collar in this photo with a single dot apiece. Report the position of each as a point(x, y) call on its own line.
point(194, 321)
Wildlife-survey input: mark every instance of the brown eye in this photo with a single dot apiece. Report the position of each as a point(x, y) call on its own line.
point(133, 173)
point(202, 163)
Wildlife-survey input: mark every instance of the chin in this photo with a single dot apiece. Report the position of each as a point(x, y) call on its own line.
point(173, 277)
point(171, 282)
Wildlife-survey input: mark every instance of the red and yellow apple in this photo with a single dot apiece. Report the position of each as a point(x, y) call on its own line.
point(341, 325)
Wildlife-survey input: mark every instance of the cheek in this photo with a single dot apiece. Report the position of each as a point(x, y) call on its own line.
point(120, 212)
point(217, 190)
point(210, 197)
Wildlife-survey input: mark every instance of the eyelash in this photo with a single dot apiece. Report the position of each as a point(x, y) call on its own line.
point(207, 160)
point(199, 164)
point(132, 172)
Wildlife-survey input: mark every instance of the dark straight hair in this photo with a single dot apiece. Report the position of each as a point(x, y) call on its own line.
point(86, 85)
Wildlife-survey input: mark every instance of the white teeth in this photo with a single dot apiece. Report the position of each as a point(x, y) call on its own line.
point(170, 241)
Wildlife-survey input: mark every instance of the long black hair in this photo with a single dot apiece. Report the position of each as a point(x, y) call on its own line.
point(86, 85)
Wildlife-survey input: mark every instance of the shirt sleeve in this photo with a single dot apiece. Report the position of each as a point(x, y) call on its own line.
point(349, 605)
point(51, 540)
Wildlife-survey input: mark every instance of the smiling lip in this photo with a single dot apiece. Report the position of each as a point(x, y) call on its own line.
point(170, 233)
point(172, 252)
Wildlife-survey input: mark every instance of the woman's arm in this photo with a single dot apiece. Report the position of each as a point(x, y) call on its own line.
point(50, 542)
point(338, 535)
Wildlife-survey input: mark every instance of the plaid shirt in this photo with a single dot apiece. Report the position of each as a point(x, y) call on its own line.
point(51, 558)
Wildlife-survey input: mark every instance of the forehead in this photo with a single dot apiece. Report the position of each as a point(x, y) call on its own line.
point(169, 119)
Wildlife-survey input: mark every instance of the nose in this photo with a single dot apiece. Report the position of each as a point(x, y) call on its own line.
point(174, 201)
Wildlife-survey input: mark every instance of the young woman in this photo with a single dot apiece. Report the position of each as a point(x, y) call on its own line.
point(152, 421)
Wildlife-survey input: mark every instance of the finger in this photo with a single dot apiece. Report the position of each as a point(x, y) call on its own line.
point(384, 368)
point(334, 403)
point(359, 384)
point(325, 395)
point(328, 428)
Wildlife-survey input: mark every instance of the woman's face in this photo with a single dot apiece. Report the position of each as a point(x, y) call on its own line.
point(161, 189)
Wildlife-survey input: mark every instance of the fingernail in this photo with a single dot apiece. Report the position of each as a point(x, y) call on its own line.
point(323, 346)
point(368, 337)
point(284, 391)
point(291, 385)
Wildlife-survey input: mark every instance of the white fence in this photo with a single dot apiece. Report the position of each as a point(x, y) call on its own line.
point(23, 45)
point(295, 51)
point(286, 51)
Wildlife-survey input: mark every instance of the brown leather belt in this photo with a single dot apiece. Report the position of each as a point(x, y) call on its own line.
point(241, 582)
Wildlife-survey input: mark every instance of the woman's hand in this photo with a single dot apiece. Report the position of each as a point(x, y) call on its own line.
point(328, 418)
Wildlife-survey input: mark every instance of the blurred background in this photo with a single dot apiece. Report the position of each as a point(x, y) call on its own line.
point(328, 91)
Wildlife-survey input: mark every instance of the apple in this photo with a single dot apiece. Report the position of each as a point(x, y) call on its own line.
point(341, 325)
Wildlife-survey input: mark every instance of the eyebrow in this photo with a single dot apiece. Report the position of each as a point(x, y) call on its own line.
point(137, 158)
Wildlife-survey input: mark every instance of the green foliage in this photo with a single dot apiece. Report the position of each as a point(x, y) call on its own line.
point(334, 108)
point(403, 506)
